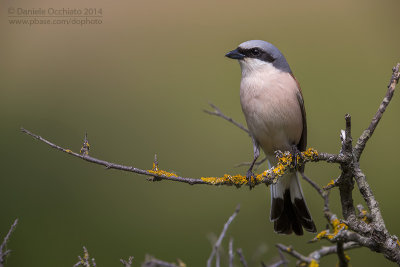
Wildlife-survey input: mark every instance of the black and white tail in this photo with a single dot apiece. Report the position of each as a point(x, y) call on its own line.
point(289, 211)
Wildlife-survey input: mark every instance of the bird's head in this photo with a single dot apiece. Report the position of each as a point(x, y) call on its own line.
point(255, 54)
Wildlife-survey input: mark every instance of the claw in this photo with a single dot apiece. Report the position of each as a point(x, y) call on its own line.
point(295, 152)
point(249, 177)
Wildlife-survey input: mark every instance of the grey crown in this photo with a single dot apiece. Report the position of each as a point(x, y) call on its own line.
point(279, 59)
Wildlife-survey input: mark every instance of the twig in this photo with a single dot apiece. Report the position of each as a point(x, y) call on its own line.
point(4, 254)
point(289, 250)
point(325, 251)
point(110, 165)
point(282, 261)
point(159, 175)
point(127, 263)
point(322, 193)
point(217, 112)
point(217, 244)
point(283, 258)
point(85, 260)
point(247, 163)
point(345, 180)
point(239, 251)
point(316, 255)
point(366, 135)
point(231, 254)
point(150, 261)
point(313, 184)
point(343, 261)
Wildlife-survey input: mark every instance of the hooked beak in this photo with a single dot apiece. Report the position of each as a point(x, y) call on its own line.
point(235, 54)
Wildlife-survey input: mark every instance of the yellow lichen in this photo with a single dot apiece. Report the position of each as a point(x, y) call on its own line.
point(347, 257)
point(228, 179)
point(162, 173)
point(321, 235)
point(330, 184)
point(181, 263)
point(68, 150)
point(86, 255)
point(336, 225)
point(398, 243)
point(313, 263)
point(285, 161)
point(155, 166)
point(364, 214)
point(310, 154)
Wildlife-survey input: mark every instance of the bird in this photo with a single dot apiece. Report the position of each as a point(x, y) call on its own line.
point(273, 106)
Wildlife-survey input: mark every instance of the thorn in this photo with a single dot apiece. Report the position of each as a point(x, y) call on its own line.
point(155, 163)
point(85, 146)
point(108, 167)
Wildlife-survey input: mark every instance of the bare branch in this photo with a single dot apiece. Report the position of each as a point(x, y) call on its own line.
point(217, 244)
point(3, 254)
point(217, 112)
point(325, 251)
point(343, 260)
point(109, 165)
point(267, 177)
point(366, 135)
point(289, 250)
point(315, 256)
point(231, 254)
point(150, 261)
point(127, 263)
point(283, 261)
point(85, 260)
point(256, 164)
point(239, 251)
point(345, 180)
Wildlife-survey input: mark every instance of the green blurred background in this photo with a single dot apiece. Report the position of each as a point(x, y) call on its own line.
point(137, 84)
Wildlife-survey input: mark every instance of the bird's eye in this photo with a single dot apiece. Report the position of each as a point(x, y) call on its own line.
point(255, 52)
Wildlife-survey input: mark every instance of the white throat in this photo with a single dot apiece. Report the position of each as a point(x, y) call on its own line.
point(250, 66)
point(253, 66)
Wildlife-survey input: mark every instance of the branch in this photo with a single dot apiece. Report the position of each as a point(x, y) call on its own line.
point(150, 261)
point(4, 254)
point(366, 135)
point(127, 263)
point(217, 112)
point(248, 163)
point(283, 261)
point(289, 250)
point(268, 177)
point(85, 260)
point(239, 251)
point(215, 251)
point(231, 255)
point(315, 256)
point(343, 260)
point(161, 175)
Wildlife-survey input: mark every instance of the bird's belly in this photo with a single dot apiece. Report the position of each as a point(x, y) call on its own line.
point(273, 117)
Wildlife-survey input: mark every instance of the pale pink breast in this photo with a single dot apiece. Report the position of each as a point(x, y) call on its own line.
point(271, 109)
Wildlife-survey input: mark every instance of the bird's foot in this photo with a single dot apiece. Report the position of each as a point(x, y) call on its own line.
point(249, 177)
point(296, 154)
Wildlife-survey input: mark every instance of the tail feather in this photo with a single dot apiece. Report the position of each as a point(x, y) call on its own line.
point(289, 211)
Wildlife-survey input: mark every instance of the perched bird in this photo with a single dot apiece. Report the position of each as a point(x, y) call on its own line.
point(272, 103)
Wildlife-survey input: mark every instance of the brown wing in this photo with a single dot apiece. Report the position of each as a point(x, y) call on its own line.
point(302, 145)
